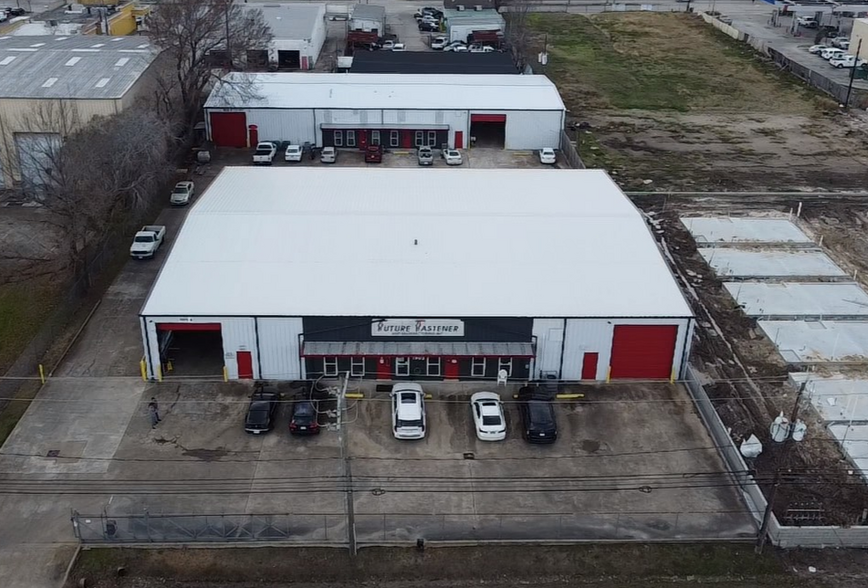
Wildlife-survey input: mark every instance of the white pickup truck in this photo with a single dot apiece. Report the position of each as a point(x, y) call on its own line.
point(147, 241)
point(265, 152)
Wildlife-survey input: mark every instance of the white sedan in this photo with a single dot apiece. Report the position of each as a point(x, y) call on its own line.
point(817, 48)
point(488, 419)
point(547, 156)
point(293, 153)
point(845, 61)
point(452, 156)
point(182, 194)
point(439, 43)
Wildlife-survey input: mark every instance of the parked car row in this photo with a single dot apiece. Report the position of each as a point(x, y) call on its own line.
point(262, 414)
point(444, 44)
point(538, 420)
point(836, 55)
point(266, 151)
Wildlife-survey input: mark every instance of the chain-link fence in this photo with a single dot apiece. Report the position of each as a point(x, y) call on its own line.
point(392, 528)
point(217, 528)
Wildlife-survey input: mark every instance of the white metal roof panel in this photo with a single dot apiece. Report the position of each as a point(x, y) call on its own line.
point(27, 64)
point(386, 91)
point(397, 242)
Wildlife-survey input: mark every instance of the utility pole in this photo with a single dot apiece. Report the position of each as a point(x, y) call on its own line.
point(782, 457)
point(347, 472)
point(687, 9)
point(852, 75)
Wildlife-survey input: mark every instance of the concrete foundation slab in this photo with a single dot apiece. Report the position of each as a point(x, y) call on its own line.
point(741, 263)
point(789, 299)
point(836, 399)
point(716, 231)
point(854, 440)
point(819, 341)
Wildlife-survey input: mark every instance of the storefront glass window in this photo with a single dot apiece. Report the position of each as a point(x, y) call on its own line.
point(477, 368)
point(505, 363)
point(330, 366)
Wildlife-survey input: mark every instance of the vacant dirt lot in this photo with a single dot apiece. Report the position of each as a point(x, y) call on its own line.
point(669, 99)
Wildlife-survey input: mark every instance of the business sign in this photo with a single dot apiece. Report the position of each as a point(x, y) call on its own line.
point(417, 328)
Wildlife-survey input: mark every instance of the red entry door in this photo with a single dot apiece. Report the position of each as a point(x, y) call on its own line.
point(589, 366)
point(450, 372)
point(245, 365)
point(459, 139)
point(384, 368)
point(253, 131)
point(363, 138)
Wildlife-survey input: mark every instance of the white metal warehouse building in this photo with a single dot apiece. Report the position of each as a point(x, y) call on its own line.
point(540, 272)
point(298, 33)
point(394, 110)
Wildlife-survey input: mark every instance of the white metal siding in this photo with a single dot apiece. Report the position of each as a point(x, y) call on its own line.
point(239, 334)
point(283, 125)
point(413, 117)
point(348, 117)
point(533, 129)
point(318, 39)
point(367, 25)
point(549, 334)
point(36, 154)
point(278, 348)
point(595, 335)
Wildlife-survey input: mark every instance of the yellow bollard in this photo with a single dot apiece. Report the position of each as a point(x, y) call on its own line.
point(169, 366)
point(225, 374)
point(609, 375)
point(42, 374)
point(143, 367)
point(160, 373)
point(672, 377)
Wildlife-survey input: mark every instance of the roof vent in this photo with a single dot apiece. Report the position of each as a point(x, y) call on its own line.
point(7, 60)
point(122, 61)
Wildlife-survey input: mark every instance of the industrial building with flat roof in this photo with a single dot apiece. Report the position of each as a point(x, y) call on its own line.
point(298, 33)
point(538, 273)
point(393, 110)
point(89, 75)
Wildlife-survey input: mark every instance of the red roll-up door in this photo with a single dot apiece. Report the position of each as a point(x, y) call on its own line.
point(643, 351)
point(491, 118)
point(188, 326)
point(229, 129)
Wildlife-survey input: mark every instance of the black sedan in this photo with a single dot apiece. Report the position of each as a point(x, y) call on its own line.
point(537, 416)
point(304, 418)
point(260, 413)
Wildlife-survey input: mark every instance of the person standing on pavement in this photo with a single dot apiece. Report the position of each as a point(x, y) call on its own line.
point(154, 412)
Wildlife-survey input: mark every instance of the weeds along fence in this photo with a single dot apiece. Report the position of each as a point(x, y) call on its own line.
point(568, 149)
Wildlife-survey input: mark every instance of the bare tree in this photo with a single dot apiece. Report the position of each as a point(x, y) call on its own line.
point(519, 35)
point(94, 180)
point(202, 40)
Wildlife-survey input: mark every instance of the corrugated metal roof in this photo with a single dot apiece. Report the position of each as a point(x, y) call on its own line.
point(415, 348)
point(393, 91)
point(291, 21)
point(312, 241)
point(27, 64)
point(467, 17)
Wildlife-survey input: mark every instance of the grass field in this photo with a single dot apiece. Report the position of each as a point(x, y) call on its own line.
point(671, 103)
point(23, 308)
point(661, 61)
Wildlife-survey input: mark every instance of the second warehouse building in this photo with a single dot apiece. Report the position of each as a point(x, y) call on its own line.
point(294, 273)
point(397, 111)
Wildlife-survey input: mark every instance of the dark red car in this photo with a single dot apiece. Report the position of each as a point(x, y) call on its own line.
point(374, 154)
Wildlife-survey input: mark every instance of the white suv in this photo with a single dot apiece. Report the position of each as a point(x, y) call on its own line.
point(408, 411)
